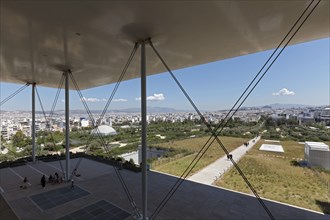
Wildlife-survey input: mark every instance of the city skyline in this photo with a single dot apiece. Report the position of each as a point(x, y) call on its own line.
point(299, 76)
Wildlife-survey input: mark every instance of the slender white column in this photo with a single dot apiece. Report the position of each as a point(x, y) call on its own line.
point(144, 131)
point(33, 127)
point(67, 127)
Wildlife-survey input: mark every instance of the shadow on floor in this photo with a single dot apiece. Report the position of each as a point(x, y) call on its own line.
point(5, 210)
point(325, 206)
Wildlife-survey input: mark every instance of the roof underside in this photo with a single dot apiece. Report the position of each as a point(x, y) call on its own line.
point(41, 39)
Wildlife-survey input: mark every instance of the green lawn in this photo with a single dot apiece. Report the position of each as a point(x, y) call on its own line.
point(273, 176)
point(177, 165)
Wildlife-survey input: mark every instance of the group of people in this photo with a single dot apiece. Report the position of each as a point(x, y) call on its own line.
point(229, 156)
point(53, 179)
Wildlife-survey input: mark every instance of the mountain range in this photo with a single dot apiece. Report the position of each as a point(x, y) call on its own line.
point(285, 106)
point(173, 110)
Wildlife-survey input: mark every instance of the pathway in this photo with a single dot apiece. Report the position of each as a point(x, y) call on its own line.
point(213, 171)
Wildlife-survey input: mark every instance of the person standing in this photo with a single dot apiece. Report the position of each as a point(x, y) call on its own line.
point(56, 178)
point(43, 181)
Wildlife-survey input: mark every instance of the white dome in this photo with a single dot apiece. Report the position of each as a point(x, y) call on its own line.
point(104, 130)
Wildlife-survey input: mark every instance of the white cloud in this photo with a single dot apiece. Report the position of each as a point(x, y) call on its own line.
point(284, 91)
point(155, 97)
point(102, 100)
point(119, 100)
point(62, 100)
point(93, 99)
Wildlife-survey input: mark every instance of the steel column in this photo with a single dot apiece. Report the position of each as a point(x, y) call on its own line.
point(144, 131)
point(67, 127)
point(33, 127)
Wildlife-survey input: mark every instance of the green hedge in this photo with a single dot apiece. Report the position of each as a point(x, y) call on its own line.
point(118, 162)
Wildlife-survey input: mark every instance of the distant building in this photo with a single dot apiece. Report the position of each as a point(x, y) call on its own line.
point(278, 116)
point(76, 122)
point(104, 130)
point(325, 115)
point(317, 154)
point(5, 133)
point(306, 118)
point(251, 118)
point(293, 117)
point(84, 123)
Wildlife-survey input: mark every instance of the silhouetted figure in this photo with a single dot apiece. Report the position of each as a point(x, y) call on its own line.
point(50, 179)
point(43, 181)
point(61, 179)
point(75, 173)
point(72, 183)
point(56, 178)
point(25, 182)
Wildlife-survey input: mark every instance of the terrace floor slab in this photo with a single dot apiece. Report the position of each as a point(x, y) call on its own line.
point(101, 191)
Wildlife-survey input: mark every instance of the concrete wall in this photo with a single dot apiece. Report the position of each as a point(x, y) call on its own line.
point(319, 158)
point(151, 153)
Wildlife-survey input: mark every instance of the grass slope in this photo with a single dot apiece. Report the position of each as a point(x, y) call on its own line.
point(273, 176)
point(176, 166)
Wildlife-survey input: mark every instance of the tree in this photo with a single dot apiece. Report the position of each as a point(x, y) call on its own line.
point(57, 135)
point(270, 122)
point(19, 139)
point(2, 139)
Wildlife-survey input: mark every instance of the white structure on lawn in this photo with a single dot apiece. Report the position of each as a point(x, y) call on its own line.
point(104, 130)
point(317, 154)
point(272, 148)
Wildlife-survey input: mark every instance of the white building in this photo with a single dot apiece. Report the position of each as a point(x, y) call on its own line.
point(317, 154)
point(325, 115)
point(104, 130)
point(5, 132)
point(84, 123)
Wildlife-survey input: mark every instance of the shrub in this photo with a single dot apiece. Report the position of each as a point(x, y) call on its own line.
point(48, 158)
point(294, 163)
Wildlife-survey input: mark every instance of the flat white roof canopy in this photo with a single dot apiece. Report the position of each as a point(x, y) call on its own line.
point(317, 146)
point(272, 148)
point(41, 39)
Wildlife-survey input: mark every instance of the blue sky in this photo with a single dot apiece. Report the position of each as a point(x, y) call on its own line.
point(299, 76)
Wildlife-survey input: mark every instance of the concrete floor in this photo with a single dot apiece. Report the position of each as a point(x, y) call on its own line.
point(191, 201)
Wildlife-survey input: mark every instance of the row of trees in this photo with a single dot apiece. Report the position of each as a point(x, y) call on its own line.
point(289, 129)
point(276, 129)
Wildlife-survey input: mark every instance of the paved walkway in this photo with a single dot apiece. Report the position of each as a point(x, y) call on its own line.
point(213, 171)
